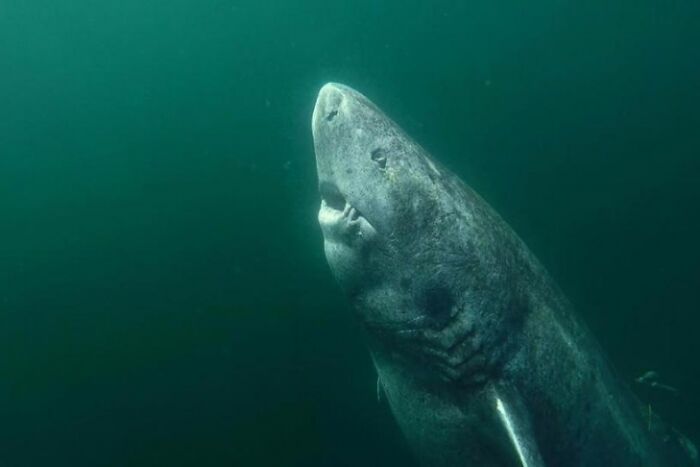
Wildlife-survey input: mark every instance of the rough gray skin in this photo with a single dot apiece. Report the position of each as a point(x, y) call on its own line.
point(480, 356)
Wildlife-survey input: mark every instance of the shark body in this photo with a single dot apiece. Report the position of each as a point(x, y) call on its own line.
point(480, 357)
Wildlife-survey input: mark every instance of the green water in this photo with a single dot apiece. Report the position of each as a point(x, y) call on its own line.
point(164, 299)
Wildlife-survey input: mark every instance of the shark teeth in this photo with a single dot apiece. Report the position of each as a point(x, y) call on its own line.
point(350, 213)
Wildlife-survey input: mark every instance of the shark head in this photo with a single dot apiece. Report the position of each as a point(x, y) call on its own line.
point(411, 244)
point(377, 189)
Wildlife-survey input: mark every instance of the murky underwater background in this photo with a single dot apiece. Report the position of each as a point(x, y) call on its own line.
point(164, 299)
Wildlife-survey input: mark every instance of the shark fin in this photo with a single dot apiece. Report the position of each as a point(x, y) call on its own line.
point(380, 390)
point(515, 421)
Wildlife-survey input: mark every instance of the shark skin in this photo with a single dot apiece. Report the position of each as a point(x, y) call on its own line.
point(479, 355)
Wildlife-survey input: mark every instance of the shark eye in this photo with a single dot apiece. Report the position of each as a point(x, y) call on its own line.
point(379, 157)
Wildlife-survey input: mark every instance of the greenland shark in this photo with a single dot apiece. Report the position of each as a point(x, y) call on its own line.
point(479, 355)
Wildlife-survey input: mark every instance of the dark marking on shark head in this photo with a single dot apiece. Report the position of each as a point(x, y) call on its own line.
point(437, 301)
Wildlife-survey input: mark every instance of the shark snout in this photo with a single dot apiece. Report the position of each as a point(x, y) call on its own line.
point(328, 105)
point(349, 172)
point(328, 113)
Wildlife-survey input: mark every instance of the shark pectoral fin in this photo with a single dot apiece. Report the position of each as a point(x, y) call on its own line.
point(516, 424)
point(380, 390)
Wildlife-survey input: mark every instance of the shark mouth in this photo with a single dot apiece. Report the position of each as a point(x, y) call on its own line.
point(339, 220)
point(332, 196)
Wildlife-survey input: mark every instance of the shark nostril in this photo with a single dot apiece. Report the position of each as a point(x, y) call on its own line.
point(331, 115)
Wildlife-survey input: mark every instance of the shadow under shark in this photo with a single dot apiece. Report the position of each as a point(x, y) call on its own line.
point(479, 355)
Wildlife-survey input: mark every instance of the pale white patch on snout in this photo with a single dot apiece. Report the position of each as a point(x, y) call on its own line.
point(330, 104)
